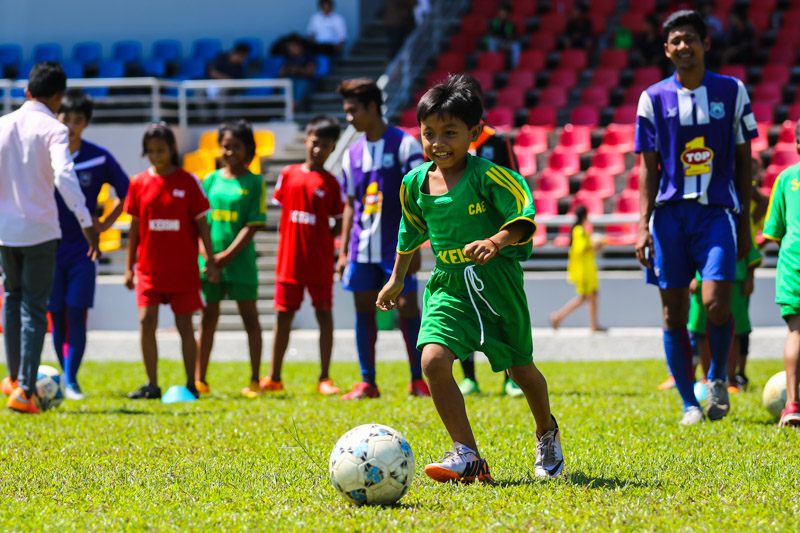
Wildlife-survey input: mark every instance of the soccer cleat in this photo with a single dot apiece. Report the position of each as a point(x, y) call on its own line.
point(361, 391)
point(8, 385)
point(73, 392)
point(733, 388)
point(692, 415)
point(469, 386)
point(549, 457)
point(462, 465)
point(419, 388)
point(742, 382)
point(253, 390)
point(266, 384)
point(193, 390)
point(790, 417)
point(326, 387)
point(717, 402)
point(18, 401)
point(668, 383)
point(512, 389)
point(202, 387)
point(146, 392)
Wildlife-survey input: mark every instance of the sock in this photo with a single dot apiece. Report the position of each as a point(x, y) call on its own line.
point(76, 343)
point(410, 329)
point(720, 339)
point(462, 448)
point(59, 333)
point(366, 335)
point(679, 358)
point(468, 365)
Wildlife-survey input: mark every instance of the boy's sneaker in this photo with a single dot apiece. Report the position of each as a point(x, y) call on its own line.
point(419, 388)
point(193, 390)
point(469, 386)
point(512, 389)
point(146, 392)
point(717, 402)
point(326, 387)
point(461, 465)
point(742, 382)
point(692, 415)
point(549, 458)
point(253, 390)
point(266, 384)
point(790, 417)
point(8, 386)
point(668, 383)
point(362, 391)
point(73, 392)
point(18, 401)
point(202, 387)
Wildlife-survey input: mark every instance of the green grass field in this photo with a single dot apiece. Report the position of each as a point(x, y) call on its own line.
point(228, 463)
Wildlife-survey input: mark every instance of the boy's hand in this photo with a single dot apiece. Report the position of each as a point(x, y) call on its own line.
point(221, 260)
point(645, 250)
point(480, 251)
point(341, 264)
point(212, 271)
point(693, 286)
point(90, 234)
point(748, 284)
point(388, 295)
point(129, 279)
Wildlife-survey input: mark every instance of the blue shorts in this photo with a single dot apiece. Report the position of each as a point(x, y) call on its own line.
point(690, 237)
point(73, 286)
point(359, 277)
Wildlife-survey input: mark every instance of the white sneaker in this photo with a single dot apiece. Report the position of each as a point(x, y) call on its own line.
point(549, 458)
point(717, 402)
point(462, 465)
point(73, 392)
point(692, 415)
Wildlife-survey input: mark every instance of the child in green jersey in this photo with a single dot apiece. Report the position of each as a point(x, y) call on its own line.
point(238, 210)
point(479, 219)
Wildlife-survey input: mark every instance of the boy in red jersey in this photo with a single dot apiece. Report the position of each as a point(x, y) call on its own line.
point(309, 196)
point(168, 208)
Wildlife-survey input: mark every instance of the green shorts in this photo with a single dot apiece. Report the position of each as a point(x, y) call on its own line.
point(450, 319)
point(740, 309)
point(788, 310)
point(216, 292)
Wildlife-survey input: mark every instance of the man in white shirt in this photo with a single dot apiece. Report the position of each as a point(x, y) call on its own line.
point(34, 160)
point(327, 30)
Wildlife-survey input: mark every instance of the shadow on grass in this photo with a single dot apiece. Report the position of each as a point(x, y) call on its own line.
point(111, 411)
point(601, 393)
point(576, 478)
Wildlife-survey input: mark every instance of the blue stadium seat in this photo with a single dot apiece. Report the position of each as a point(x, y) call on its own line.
point(206, 49)
point(111, 69)
point(127, 51)
point(192, 69)
point(256, 47)
point(73, 69)
point(87, 52)
point(10, 54)
point(154, 67)
point(23, 72)
point(271, 66)
point(323, 66)
point(167, 49)
point(47, 52)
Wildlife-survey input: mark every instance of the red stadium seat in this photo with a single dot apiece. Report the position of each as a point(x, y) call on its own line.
point(595, 96)
point(526, 160)
point(596, 183)
point(585, 116)
point(762, 112)
point(632, 181)
point(552, 22)
point(611, 162)
point(599, 23)
point(603, 7)
point(763, 5)
point(784, 158)
point(501, 118)
point(542, 115)
point(408, 119)
point(532, 138)
point(434, 78)
point(736, 71)
point(647, 76)
point(632, 21)
point(520, 24)
point(577, 138)
point(534, 60)
point(760, 20)
point(563, 78)
point(617, 138)
point(790, 21)
point(781, 55)
point(551, 183)
point(786, 133)
point(540, 235)
point(625, 114)
point(776, 74)
point(614, 58)
point(461, 43)
point(624, 234)
point(627, 202)
point(770, 175)
point(523, 9)
point(521, 79)
point(761, 143)
point(606, 77)
point(484, 78)
point(545, 205)
point(768, 93)
point(542, 41)
point(566, 161)
point(485, 8)
point(474, 25)
point(553, 97)
point(573, 60)
point(794, 112)
point(642, 7)
point(512, 97)
point(491, 61)
point(633, 93)
point(450, 62)
point(593, 204)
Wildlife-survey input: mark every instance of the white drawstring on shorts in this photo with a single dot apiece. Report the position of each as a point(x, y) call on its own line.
point(474, 283)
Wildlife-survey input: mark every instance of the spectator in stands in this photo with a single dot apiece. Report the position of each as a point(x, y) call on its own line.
point(716, 32)
point(422, 8)
point(398, 17)
point(327, 30)
point(578, 33)
point(299, 65)
point(231, 65)
point(740, 39)
point(649, 49)
point(500, 34)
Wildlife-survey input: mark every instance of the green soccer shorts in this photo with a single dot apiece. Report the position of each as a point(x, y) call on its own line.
point(216, 292)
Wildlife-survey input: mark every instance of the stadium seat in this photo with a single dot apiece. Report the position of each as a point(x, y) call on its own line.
point(154, 67)
point(111, 69)
point(501, 118)
point(633, 93)
point(265, 143)
point(585, 115)
point(533, 138)
point(595, 96)
point(542, 115)
point(770, 175)
point(127, 51)
point(206, 49)
point(617, 138)
point(10, 54)
point(484, 78)
point(521, 79)
point(450, 62)
point(551, 183)
point(523, 9)
point(596, 183)
point(647, 76)
point(611, 162)
point(209, 143)
point(491, 61)
point(632, 181)
point(793, 113)
point(545, 205)
point(167, 49)
point(110, 240)
point(255, 165)
point(577, 138)
point(539, 235)
point(573, 60)
point(784, 158)
point(790, 20)
point(736, 71)
point(473, 25)
point(623, 234)
point(526, 160)
point(605, 77)
point(627, 202)
point(73, 69)
point(520, 24)
point(774, 75)
point(533, 60)
point(760, 20)
point(566, 79)
point(633, 21)
point(256, 47)
point(486, 8)
point(642, 7)
point(625, 114)
point(553, 97)
point(192, 69)
point(542, 41)
point(599, 23)
point(781, 55)
point(594, 205)
point(47, 52)
point(603, 7)
point(614, 58)
point(408, 118)
point(567, 161)
point(463, 44)
point(200, 163)
point(786, 132)
point(762, 112)
point(24, 71)
point(87, 52)
point(552, 22)
point(761, 143)
point(436, 77)
point(323, 65)
point(512, 97)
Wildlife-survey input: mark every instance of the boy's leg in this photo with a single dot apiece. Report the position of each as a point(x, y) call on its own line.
point(790, 417)
point(280, 340)
point(366, 333)
point(557, 316)
point(148, 322)
point(720, 327)
point(76, 342)
point(675, 306)
point(593, 323)
point(533, 384)
point(183, 323)
point(325, 321)
point(249, 312)
point(410, 321)
point(11, 259)
point(209, 316)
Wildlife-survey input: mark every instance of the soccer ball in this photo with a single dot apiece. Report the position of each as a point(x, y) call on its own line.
point(372, 464)
point(774, 397)
point(49, 387)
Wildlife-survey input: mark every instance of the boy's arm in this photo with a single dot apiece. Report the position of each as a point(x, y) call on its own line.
point(133, 245)
point(347, 225)
point(212, 272)
point(648, 187)
point(112, 217)
point(744, 186)
point(243, 238)
point(390, 292)
point(482, 250)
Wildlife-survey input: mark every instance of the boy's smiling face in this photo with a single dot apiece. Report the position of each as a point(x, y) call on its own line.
point(446, 139)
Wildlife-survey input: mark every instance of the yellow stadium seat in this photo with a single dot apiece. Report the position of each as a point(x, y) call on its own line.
point(265, 143)
point(110, 240)
point(209, 143)
point(200, 163)
point(102, 196)
point(255, 165)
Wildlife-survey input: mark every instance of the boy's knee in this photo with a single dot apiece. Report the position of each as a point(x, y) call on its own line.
point(717, 312)
point(436, 362)
point(407, 307)
point(148, 321)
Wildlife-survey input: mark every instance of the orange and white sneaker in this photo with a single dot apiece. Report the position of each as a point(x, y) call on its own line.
point(418, 387)
point(202, 387)
point(362, 391)
point(253, 390)
point(266, 384)
point(8, 385)
point(790, 417)
point(18, 401)
point(462, 465)
point(326, 387)
point(668, 383)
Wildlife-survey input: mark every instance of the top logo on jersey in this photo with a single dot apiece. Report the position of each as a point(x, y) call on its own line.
point(697, 157)
point(716, 110)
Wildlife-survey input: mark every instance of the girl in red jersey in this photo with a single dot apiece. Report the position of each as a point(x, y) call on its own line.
point(168, 209)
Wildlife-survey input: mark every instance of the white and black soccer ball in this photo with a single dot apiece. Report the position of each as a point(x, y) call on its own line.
point(372, 464)
point(49, 387)
point(774, 397)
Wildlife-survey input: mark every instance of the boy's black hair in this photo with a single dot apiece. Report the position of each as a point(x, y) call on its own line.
point(46, 79)
point(77, 101)
point(364, 90)
point(457, 97)
point(160, 130)
point(242, 130)
point(324, 126)
point(685, 17)
point(581, 214)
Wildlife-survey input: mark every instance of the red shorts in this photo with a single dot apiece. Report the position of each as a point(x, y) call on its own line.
point(289, 296)
point(182, 303)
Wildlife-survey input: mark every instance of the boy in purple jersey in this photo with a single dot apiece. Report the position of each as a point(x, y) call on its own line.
point(372, 172)
point(73, 288)
point(693, 130)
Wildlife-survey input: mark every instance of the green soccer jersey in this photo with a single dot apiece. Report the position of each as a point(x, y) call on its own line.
point(783, 224)
point(235, 204)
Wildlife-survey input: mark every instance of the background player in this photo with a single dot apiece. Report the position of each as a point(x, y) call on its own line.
point(238, 209)
point(693, 130)
point(309, 197)
point(372, 171)
point(74, 283)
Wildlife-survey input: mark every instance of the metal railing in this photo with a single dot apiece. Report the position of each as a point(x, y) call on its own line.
point(183, 102)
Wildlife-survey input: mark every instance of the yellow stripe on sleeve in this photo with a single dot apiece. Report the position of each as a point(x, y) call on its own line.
point(515, 184)
point(772, 198)
point(514, 193)
point(418, 224)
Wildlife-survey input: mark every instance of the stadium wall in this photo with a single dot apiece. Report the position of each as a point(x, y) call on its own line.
point(28, 23)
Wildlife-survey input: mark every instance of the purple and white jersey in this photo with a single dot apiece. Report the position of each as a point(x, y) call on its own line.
point(695, 134)
point(372, 173)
